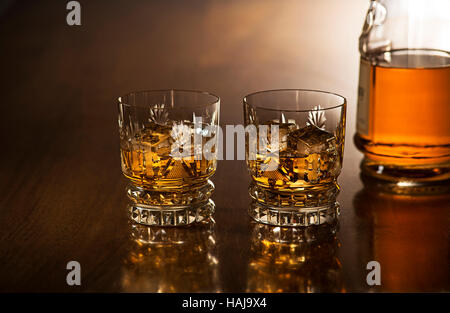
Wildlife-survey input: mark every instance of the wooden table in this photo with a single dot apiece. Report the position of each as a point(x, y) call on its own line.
point(62, 192)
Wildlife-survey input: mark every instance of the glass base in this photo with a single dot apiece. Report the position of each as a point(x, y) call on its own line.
point(315, 205)
point(308, 197)
point(287, 217)
point(426, 180)
point(172, 206)
point(173, 216)
point(171, 197)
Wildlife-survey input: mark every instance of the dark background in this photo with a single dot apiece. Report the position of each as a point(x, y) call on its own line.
point(61, 190)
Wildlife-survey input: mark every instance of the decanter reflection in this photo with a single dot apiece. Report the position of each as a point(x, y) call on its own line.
point(286, 259)
point(172, 259)
point(408, 236)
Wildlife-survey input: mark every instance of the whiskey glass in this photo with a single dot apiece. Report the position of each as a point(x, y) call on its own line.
point(294, 152)
point(168, 153)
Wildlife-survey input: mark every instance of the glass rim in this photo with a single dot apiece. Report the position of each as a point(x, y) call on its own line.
point(154, 91)
point(314, 91)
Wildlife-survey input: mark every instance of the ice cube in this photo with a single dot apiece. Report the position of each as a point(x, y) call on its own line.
point(310, 139)
point(283, 131)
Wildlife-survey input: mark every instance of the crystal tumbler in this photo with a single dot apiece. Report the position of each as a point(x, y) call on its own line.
point(168, 153)
point(294, 152)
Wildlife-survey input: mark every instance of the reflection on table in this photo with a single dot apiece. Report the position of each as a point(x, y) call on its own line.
point(171, 259)
point(408, 236)
point(302, 259)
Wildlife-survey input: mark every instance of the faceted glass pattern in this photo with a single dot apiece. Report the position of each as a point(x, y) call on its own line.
point(294, 172)
point(162, 136)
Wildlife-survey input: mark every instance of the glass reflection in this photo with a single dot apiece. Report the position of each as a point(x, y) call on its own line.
point(284, 259)
point(171, 259)
point(408, 236)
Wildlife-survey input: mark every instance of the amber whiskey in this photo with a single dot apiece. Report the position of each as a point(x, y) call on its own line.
point(159, 177)
point(403, 115)
point(308, 158)
point(148, 162)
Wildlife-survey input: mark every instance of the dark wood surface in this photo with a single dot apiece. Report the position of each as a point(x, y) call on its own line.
point(61, 190)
